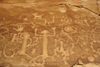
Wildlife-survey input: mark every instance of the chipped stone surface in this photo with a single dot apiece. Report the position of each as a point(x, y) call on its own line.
point(87, 65)
point(49, 33)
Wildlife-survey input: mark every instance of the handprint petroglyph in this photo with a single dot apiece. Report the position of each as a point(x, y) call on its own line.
point(19, 28)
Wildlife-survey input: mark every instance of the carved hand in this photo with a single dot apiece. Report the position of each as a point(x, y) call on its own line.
point(20, 28)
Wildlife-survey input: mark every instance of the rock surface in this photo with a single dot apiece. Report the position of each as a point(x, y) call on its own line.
point(49, 33)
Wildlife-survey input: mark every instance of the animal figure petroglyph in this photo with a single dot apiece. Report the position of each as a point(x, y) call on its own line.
point(36, 16)
point(49, 23)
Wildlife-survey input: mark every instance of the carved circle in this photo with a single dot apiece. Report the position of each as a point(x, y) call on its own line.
point(69, 29)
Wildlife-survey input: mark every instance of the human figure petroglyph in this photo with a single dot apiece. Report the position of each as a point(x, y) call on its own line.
point(24, 36)
point(61, 47)
point(69, 37)
point(62, 50)
point(24, 45)
point(53, 19)
point(86, 22)
point(56, 49)
point(36, 16)
point(12, 42)
point(54, 28)
point(17, 37)
point(45, 40)
point(64, 53)
point(14, 38)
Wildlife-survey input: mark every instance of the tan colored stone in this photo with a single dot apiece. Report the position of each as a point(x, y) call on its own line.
point(91, 59)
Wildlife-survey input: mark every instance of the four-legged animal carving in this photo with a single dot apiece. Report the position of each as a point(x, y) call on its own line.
point(36, 16)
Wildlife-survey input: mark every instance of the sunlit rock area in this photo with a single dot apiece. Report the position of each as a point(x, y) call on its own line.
point(49, 33)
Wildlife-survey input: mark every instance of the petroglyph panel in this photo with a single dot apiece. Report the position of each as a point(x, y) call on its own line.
point(49, 34)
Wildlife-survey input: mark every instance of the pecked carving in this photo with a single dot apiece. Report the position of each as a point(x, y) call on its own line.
point(46, 34)
point(20, 28)
point(36, 16)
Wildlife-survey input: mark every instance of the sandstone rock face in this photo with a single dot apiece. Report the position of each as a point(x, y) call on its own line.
point(49, 33)
point(87, 65)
